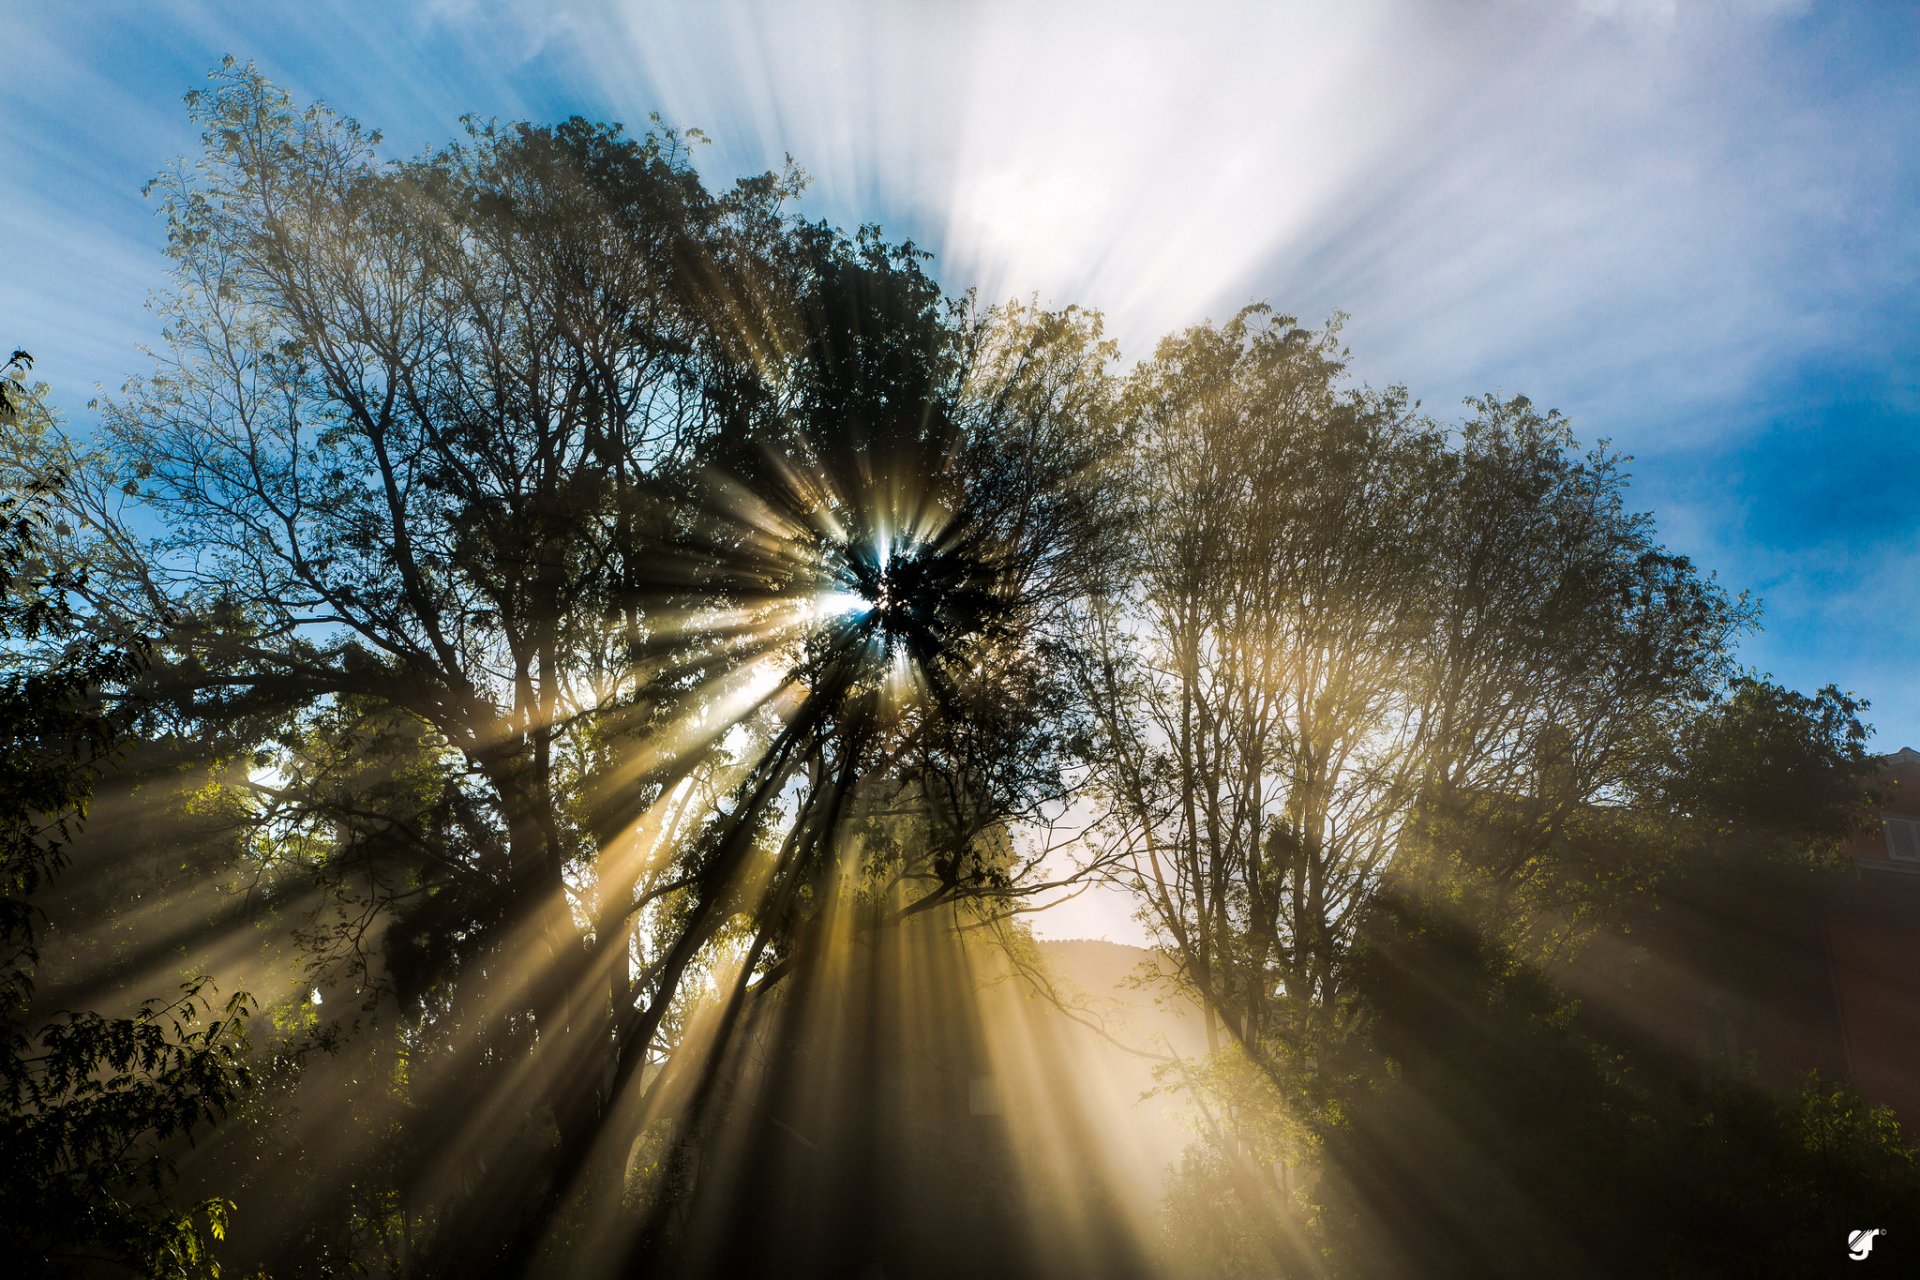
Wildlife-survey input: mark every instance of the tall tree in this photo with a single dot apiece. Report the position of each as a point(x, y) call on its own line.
point(1254, 699)
point(92, 1105)
point(593, 536)
point(1357, 640)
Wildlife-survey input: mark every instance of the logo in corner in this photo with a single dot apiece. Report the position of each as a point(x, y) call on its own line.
point(1860, 1243)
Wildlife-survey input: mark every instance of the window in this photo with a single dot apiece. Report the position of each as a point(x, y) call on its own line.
point(1903, 839)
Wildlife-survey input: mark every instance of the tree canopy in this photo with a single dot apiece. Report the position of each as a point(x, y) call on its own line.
point(609, 663)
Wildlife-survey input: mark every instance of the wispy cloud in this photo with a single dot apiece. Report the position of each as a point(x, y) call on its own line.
point(1674, 220)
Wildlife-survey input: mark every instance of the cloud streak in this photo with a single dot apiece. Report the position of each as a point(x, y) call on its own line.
point(1689, 225)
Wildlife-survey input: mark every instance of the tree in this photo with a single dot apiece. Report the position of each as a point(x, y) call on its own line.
point(1487, 1059)
point(93, 1103)
point(1765, 760)
point(1365, 650)
point(533, 494)
point(1252, 706)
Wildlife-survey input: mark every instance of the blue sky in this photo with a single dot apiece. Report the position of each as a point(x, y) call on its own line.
point(1695, 228)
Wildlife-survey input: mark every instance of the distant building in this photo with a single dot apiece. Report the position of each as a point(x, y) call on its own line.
point(1767, 973)
point(1895, 845)
point(1873, 945)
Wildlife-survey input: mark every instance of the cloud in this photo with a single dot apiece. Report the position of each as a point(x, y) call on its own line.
point(1664, 218)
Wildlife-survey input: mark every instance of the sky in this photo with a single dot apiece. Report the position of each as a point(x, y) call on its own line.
point(1692, 227)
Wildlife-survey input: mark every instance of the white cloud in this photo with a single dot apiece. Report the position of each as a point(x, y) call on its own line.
point(1642, 213)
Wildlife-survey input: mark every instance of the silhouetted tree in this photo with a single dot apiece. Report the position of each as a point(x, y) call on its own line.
point(90, 1103)
point(573, 539)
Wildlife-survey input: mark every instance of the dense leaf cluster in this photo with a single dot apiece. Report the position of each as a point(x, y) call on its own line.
point(90, 1105)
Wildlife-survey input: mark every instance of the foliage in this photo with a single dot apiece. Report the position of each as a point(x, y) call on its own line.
point(91, 1102)
point(1355, 640)
point(12, 376)
point(497, 492)
point(1483, 1120)
point(1393, 723)
point(1509, 1137)
point(1775, 760)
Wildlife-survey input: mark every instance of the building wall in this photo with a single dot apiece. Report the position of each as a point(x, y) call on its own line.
point(1899, 784)
point(1769, 972)
point(1873, 941)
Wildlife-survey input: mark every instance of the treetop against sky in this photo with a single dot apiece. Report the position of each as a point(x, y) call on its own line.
point(1688, 226)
